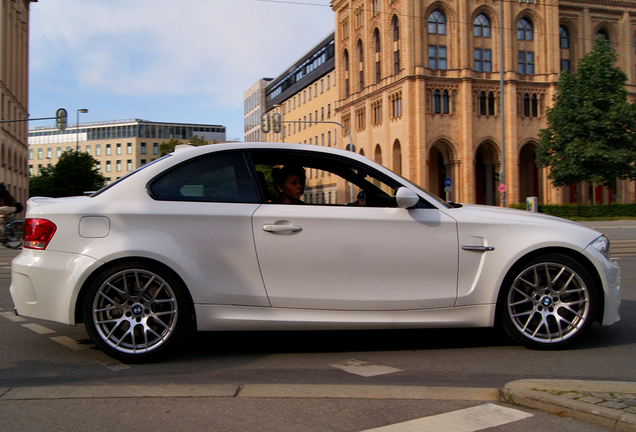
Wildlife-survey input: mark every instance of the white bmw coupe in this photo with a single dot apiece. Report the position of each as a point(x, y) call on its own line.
point(260, 236)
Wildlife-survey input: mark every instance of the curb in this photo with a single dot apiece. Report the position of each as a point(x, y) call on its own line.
point(528, 393)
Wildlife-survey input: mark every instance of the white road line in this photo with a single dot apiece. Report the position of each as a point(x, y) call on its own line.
point(364, 369)
point(12, 317)
point(466, 420)
point(38, 328)
point(69, 343)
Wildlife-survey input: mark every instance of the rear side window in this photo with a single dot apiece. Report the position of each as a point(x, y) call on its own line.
point(219, 177)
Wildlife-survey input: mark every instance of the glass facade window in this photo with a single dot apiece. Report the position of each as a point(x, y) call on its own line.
point(142, 148)
point(88, 149)
point(107, 149)
point(118, 166)
point(118, 150)
point(129, 148)
point(98, 149)
point(155, 148)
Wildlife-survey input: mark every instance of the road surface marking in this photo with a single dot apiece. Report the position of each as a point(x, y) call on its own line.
point(38, 328)
point(69, 343)
point(466, 420)
point(12, 317)
point(364, 369)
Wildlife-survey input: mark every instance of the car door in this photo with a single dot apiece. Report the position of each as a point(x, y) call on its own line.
point(203, 207)
point(346, 257)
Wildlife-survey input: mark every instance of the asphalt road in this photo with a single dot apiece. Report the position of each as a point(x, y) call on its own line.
point(36, 353)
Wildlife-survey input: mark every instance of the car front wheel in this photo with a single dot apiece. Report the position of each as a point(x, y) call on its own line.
point(136, 311)
point(550, 302)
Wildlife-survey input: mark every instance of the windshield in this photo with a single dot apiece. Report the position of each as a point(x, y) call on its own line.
point(120, 179)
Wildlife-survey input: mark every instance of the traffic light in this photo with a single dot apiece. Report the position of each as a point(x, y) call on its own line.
point(497, 176)
point(265, 123)
point(60, 119)
point(276, 122)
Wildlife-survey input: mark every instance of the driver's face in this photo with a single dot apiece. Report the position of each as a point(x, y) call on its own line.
point(292, 188)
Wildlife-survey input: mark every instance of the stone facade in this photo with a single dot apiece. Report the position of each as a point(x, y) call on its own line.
point(419, 87)
point(14, 86)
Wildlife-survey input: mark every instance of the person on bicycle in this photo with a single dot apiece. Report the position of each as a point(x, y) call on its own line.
point(7, 202)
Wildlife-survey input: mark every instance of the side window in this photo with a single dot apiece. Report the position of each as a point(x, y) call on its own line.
point(216, 178)
point(325, 180)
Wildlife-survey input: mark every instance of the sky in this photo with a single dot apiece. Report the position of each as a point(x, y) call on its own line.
point(186, 61)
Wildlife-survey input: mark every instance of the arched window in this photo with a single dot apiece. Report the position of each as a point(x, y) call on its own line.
point(564, 45)
point(481, 26)
point(482, 103)
point(376, 43)
point(491, 103)
point(397, 158)
point(437, 103)
point(535, 106)
point(360, 66)
point(345, 58)
point(445, 100)
point(525, 30)
point(395, 23)
point(437, 23)
point(603, 33)
point(526, 105)
point(378, 154)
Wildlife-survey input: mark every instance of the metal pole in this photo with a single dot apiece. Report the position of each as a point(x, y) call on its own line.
point(81, 110)
point(503, 111)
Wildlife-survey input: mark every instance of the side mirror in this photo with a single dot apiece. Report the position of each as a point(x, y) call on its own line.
point(406, 198)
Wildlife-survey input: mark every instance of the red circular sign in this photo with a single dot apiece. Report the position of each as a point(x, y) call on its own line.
point(502, 188)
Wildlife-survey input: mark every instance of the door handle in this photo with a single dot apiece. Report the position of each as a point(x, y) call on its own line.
point(281, 228)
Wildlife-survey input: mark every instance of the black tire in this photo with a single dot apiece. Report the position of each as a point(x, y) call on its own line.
point(548, 302)
point(136, 312)
point(13, 234)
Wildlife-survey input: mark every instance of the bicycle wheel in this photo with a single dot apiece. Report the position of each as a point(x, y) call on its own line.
point(13, 233)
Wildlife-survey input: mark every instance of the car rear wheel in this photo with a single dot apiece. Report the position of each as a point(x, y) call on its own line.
point(136, 311)
point(550, 302)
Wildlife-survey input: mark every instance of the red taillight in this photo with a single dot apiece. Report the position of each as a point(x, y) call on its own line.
point(37, 233)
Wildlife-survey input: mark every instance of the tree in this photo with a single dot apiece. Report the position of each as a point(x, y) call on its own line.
point(168, 146)
point(74, 174)
point(591, 133)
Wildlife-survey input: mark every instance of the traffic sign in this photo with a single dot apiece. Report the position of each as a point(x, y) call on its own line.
point(502, 188)
point(448, 182)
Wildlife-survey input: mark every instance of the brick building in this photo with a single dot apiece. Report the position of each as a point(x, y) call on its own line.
point(419, 87)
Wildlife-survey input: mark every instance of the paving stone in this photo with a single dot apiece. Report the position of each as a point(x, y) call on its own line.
point(614, 405)
point(630, 402)
point(603, 395)
point(591, 399)
point(625, 395)
point(571, 395)
point(630, 410)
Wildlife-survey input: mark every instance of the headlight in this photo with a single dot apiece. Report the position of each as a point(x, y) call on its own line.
point(602, 244)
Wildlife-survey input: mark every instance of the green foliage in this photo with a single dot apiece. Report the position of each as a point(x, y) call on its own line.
point(168, 146)
point(602, 211)
point(591, 133)
point(74, 174)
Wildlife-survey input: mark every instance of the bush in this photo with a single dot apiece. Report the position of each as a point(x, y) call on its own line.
point(577, 211)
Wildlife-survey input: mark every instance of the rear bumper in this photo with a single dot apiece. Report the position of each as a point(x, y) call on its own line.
point(46, 285)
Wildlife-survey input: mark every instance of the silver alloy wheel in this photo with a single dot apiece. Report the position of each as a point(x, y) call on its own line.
point(549, 303)
point(135, 311)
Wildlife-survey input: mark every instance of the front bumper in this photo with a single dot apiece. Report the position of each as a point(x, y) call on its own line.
point(610, 274)
point(46, 284)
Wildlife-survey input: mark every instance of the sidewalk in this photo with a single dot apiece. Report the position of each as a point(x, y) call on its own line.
point(609, 404)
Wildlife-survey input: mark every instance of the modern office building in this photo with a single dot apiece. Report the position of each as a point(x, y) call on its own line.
point(304, 95)
point(253, 106)
point(14, 88)
point(118, 146)
point(419, 87)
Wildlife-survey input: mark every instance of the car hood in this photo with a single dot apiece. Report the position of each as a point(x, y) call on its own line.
point(513, 220)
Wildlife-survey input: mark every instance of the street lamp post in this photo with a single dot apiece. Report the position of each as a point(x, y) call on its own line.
point(83, 111)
